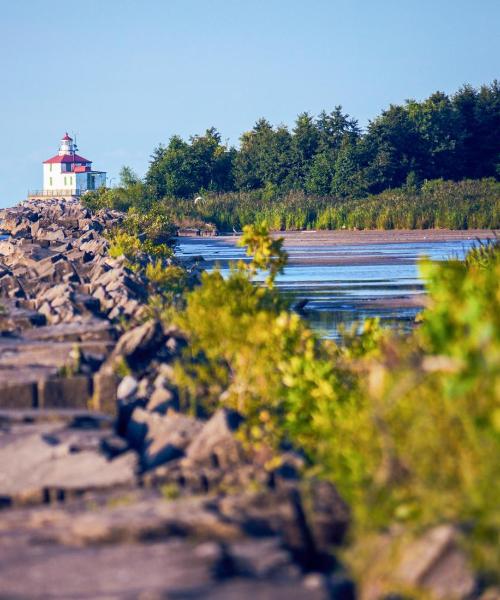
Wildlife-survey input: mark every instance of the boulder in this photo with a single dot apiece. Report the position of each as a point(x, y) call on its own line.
point(328, 514)
point(161, 400)
point(160, 438)
point(127, 388)
point(216, 445)
point(138, 345)
point(436, 563)
point(64, 392)
point(432, 565)
point(32, 465)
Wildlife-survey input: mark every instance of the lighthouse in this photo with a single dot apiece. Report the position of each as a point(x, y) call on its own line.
point(67, 174)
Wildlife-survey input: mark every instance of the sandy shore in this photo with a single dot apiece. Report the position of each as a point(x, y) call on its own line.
point(394, 236)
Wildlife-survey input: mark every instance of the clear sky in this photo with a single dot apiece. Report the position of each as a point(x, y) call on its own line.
point(125, 75)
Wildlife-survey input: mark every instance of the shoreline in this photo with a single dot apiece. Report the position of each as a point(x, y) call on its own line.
point(370, 236)
point(333, 248)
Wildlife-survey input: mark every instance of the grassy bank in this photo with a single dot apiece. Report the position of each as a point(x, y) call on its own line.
point(468, 204)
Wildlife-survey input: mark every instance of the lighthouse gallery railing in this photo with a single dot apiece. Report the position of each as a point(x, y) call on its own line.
point(55, 193)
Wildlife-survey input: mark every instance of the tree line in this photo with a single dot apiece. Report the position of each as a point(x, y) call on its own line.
point(450, 137)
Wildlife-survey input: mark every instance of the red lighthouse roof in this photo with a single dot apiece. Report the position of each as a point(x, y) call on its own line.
point(67, 138)
point(67, 158)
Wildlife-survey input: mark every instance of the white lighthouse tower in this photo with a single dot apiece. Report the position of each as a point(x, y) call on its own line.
point(67, 174)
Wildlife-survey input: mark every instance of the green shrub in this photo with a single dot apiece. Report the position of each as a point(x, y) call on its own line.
point(408, 427)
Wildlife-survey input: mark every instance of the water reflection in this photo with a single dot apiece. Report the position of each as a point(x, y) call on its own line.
point(343, 284)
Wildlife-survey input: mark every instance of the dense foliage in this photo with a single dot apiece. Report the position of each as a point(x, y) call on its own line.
point(434, 163)
point(142, 236)
point(408, 427)
point(445, 137)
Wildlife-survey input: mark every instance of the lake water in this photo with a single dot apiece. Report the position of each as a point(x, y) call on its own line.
point(344, 283)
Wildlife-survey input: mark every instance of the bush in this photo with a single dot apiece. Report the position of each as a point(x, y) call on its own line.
point(408, 427)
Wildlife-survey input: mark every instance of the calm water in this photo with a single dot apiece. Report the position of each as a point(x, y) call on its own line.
point(375, 280)
point(380, 280)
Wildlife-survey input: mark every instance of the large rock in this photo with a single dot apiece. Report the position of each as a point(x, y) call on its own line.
point(37, 466)
point(138, 345)
point(216, 445)
point(432, 565)
point(436, 563)
point(328, 514)
point(172, 568)
point(64, 392)
point(161, 438)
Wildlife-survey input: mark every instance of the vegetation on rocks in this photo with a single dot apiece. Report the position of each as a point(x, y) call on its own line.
point(407, 427)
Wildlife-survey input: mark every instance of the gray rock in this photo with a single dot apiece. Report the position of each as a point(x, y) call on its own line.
point(160, 438)
point(64, 392)
point(127, 388)
point(260, 558)
point(216, 445)
point(161, 399)
point(33, 464)
point(138, 345)
point(436, 563)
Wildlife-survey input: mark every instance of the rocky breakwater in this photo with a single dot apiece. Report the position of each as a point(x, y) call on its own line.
point(106, 489)
point(61, 295)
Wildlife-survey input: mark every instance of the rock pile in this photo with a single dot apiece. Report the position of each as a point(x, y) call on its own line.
point(56, 262)
point(144, 489)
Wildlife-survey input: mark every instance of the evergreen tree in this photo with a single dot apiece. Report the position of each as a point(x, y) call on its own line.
point(305, 141)
point(319, 180)
point(348, 177)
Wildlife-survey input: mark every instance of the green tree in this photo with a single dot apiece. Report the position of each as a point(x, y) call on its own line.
point(478, 112)
point(333, 128)
point(319, 179)
point(437, 124)
point(128, 177)
point(183, 168)
point(348, 174)
point(393, 147)
point(305, 141)
point(265, 156)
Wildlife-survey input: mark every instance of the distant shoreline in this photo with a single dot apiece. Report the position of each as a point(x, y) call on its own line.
point(313, 243)
point(374, 236)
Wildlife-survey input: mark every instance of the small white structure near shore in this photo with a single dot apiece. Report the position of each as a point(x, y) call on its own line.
point(67, 174)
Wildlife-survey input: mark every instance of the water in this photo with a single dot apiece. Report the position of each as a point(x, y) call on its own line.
point(344, 283)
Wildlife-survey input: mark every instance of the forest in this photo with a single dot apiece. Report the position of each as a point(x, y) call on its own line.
point(434, 163)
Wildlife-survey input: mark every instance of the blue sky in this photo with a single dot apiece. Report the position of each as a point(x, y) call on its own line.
point(127, 74)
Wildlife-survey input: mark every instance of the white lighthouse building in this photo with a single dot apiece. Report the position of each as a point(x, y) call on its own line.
point(67, 174)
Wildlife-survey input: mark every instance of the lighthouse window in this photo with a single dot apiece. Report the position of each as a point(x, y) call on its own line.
point(65, 181)
point(50, 167)
point(50, 180)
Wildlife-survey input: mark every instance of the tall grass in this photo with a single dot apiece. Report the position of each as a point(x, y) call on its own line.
point(467, 204)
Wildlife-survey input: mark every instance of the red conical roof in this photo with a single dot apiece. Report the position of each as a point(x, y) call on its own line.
point(67, 138)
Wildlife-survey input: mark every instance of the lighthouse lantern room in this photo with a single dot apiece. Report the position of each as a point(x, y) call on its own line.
point(67, 174)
